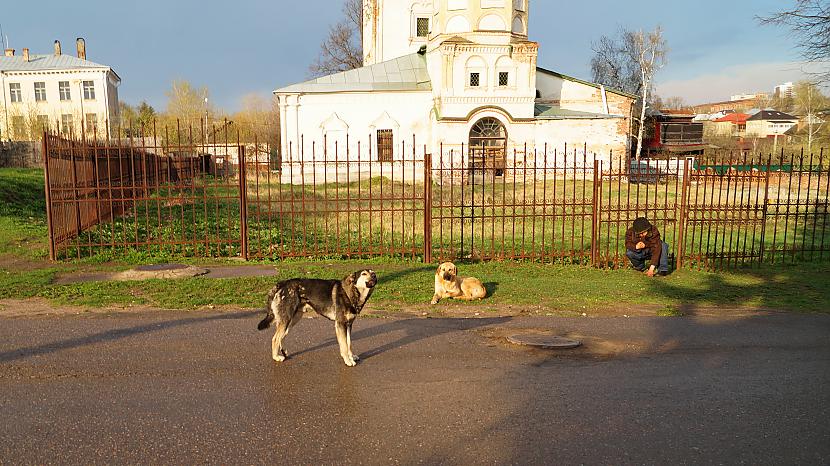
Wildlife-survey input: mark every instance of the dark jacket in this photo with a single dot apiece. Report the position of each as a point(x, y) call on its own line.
point(652, 241)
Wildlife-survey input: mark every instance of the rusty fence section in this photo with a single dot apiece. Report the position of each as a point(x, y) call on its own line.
point(148, 195)
point(537, 205)
point(212, 195)
point(330, 201)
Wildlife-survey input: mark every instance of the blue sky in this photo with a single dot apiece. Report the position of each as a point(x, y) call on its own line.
point(254, 46)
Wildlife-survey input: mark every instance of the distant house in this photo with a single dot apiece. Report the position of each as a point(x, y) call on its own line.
point(769, 123)
point(62, 92)
point(730, 125)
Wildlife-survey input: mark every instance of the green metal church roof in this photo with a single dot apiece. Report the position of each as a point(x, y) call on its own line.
point(406, 73)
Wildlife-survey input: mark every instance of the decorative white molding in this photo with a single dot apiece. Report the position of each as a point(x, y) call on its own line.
point(453, 5)
point(457, 24)
point(334, 123)
point(491, 22)
point(385, 121)
point(487, 100)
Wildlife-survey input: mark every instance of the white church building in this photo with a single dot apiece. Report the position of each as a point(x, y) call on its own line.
point(459, 78)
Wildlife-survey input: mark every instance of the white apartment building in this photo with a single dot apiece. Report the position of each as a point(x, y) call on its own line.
point(786, 90)
point(61, 92)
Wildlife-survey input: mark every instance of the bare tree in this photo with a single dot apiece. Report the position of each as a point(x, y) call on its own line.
point(629, 63)
point(187, 103)
point(258, 119)
point(342, 50)
point(675, 102)
point(809, 20)
point(808, 102)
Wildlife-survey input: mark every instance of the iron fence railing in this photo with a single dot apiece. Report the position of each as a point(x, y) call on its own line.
point(341, 199)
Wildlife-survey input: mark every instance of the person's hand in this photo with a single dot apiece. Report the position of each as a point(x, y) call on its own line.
point(640, 245)
point(650, 271)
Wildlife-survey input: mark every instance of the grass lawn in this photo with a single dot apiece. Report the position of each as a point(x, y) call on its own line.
point(554, 288)
point(404, 285)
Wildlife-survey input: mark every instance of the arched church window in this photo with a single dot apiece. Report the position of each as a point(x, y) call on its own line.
point(476, 72)
point(518, 25)
point(486, 130)
point(505, 72)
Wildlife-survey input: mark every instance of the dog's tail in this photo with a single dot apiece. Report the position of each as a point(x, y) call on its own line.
point(269, 309)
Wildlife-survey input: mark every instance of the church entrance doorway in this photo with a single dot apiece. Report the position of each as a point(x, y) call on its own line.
point(488, 147)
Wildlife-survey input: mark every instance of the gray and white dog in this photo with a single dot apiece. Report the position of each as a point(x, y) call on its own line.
point(338, 300)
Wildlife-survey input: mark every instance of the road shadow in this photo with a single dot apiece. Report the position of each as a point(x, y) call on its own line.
point(117, 334)
point(427, 328)
point(491, 288)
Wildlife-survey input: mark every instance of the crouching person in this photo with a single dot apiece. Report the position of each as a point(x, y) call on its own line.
point(643, 243)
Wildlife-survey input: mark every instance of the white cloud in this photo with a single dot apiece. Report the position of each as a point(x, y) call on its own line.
point(734, 79)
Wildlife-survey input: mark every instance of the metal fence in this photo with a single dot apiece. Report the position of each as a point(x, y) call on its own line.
point(545, 204)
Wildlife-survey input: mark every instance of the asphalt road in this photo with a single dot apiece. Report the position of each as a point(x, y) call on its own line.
point(200, 388)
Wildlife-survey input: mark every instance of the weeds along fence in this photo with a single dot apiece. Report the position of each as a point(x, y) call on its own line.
point(203, 198)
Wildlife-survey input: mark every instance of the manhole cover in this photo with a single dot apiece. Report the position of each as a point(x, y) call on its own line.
point(544, 341)
point(160, 267)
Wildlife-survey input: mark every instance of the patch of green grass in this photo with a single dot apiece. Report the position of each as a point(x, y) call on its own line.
point(554, 287)
point(21, 284)
point(22, 213)
point(94, 294)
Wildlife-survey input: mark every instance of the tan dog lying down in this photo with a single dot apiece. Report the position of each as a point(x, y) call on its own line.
point(449, 285)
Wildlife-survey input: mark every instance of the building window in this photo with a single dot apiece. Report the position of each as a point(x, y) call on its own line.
point(89, 90)
point(63, 90)
point(14, 93)
point(42, 123)
point(504, 78)
point(385, 145)
point(91, 124)
point(40, 92)
point(475, 79)
point(18, 127)
point(67, 125)
point(422, 27)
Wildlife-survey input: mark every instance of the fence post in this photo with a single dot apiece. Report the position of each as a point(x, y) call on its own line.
point(681, 222)
point(427, 208)
point(75, 194)
point(595, 214)
point(48, 187)
point(243, 201)
point(764, 217)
